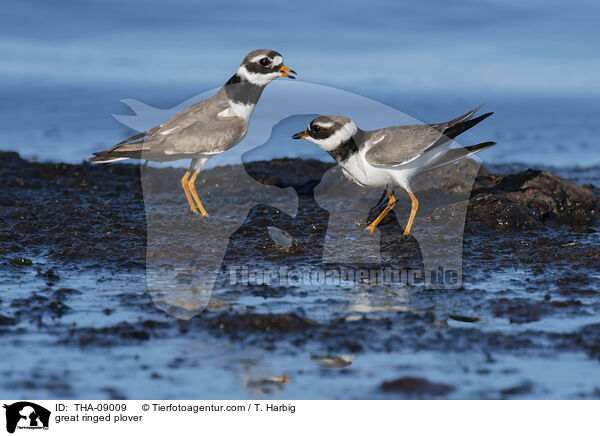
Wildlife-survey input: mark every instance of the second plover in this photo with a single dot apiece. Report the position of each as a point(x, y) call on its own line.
point(206, 128)
point(391, 156)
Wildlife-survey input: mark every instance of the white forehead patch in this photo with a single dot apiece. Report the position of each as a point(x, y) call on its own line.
point(339, 137)
point(276, 60)
point(256, 58)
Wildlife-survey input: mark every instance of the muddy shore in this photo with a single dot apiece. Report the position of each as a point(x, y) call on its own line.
point(73, 255)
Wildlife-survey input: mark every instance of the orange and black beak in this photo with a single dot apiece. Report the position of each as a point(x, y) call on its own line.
point(300, 135)
point(286, 72)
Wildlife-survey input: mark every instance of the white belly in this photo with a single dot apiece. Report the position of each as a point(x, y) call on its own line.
point(358, 169)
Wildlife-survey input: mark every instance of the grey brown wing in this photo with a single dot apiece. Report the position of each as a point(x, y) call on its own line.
point(398, 145)
point(198, 129)
point(205, 109)
point(208, 135)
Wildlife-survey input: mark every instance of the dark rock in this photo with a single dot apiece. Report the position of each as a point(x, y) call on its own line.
point(176, 363)
point(521, 389)
point(286, 172)
point(5, 320)
point(50, 276)
point(114, 394)
point(588, 337)
point(97, 211)
point(58, 308)
point(11, 159)
point(21, 261)
point(573, 278)
point(530, 199)
point(63, 293)
point(7, 199)
point(232, 322)
point(152, 325)
point(417, 387)
point(119, 334)
point(463, 318)
point(517, 310)
point(567, 303)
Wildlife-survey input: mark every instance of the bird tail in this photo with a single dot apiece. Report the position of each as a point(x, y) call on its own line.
point(465, 117)
point(453, 130)
point(130, 148)
point(107, 156)
point(456, 154)
point(457, 126)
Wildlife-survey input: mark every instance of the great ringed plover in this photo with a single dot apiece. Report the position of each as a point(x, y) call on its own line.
point(206, 128)
point(391, 156)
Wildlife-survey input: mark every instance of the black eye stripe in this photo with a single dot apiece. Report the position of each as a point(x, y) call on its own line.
point(322, 132)
point(256, 67)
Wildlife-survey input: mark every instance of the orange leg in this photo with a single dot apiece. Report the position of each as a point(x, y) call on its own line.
point(186, 189)
point(391, 203)
point(413, 211)
point(192, 189)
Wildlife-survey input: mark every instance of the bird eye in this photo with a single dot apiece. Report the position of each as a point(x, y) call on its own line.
point(315, 128)
point(264, 62)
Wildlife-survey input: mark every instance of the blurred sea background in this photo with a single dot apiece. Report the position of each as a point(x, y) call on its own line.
point(67, 64)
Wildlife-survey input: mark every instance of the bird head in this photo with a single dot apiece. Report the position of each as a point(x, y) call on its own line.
point(260, 67)
point(328, 131)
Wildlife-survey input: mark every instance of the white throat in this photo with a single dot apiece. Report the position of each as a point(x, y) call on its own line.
point(342, 135)
point(256, 78)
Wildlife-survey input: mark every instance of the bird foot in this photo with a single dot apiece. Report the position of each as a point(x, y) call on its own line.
point(199, 212)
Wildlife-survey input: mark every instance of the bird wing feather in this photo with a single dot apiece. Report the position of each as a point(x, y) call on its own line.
point(198, 129)
point(401, 144)
point(206, 136)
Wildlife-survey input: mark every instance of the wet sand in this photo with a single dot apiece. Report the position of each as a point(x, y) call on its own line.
point(77, 321)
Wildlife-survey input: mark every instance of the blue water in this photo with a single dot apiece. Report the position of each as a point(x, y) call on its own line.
point(66, 65)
